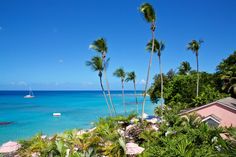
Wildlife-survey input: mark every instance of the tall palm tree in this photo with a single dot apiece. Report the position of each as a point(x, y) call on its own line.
point(158, 47)
point(131, 76)
point(120, 73)
point(96, 65)
point(184, 68)
point(100, 46)
point(194, 46)
point(150, 16)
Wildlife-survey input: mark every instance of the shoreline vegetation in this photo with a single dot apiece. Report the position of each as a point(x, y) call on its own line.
point(165, 134)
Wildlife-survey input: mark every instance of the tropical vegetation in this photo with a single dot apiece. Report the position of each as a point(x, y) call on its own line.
point(170, 134)
point(184, 68)
point(180, 88)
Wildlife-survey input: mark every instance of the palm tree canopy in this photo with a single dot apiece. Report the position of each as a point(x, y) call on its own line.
point(158, 46)
point(184, 68)
point(120, 73)
point(95, 64)
point(148, 11)
point(194, 45)
point(131, 76)
point(99, 45)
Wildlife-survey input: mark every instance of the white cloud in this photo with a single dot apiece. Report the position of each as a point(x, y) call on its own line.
point(89, 83)
point(90, 46)
point(18, 83)
point(86, 84)
point(22, 83)
point(60, 60)
point(142, 82)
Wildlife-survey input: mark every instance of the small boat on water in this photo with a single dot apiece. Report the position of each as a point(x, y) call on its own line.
point(30, 95)
point(56, 114)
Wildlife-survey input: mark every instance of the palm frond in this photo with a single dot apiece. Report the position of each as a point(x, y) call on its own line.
point(158, 46)
point(148, 11)
point(95, 63)
point(120, 73)
point(194, 45)
point(99, 45)
point(131, 76)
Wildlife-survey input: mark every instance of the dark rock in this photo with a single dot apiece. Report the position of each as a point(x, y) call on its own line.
point(6, 123)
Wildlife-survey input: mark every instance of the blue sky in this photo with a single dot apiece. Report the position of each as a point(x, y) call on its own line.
point(44, 43)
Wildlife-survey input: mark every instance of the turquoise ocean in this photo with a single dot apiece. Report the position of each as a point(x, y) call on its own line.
point(79, 109)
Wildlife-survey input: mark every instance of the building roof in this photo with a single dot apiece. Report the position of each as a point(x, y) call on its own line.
point(227, 102)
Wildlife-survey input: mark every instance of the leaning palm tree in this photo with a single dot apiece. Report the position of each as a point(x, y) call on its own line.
point(131, 76)
point(194, 46)
point(150, 16)
point(100, 46)
point(120, 73)
point(158, 47)
point(96, 65)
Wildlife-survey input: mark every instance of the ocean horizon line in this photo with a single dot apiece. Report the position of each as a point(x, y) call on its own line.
point(62, 90)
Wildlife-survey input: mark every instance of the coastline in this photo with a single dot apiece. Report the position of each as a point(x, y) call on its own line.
point(78, 110)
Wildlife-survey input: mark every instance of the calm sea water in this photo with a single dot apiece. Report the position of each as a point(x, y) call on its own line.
point(79, 109)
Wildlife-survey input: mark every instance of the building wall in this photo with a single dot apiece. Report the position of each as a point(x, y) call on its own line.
point(227, 116)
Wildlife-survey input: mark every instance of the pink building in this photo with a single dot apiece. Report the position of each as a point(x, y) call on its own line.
point(219, 113)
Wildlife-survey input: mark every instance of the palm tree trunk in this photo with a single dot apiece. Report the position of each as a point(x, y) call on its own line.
point(135, 95)
point(108, 90)
point(148, 74)
point(197, 74)
point(123, 95)
point(104, 94)
point(161, 78)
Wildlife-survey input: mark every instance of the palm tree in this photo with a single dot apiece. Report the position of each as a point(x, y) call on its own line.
point(150, 16)
point(96, 65)
point(131, 76)
point(158, 47)
point(184, 68)
point(194, 46)
point(120, 73)
point(100, 46)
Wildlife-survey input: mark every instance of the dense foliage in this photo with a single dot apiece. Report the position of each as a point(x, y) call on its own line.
point(104, 139)
point(226, 72)
point(186, 137)
point(175, 136)
point(179, 89)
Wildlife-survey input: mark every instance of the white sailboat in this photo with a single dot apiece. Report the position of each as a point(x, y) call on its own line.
point(30, 95)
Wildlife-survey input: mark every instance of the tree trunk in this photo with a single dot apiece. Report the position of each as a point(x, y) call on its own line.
point(159, 57)
point(197, 74)
point(148, 74)
point(107, 83)
point(104, 94)
point(123, 95)
point(108, 90)
point(135, 95)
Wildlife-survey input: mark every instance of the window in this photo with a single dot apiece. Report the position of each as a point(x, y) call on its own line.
point(211, 121)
